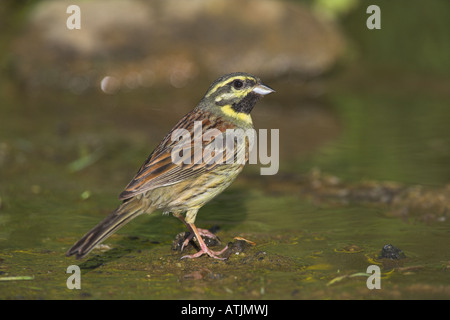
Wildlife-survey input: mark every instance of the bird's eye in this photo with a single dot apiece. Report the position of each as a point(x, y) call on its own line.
point(238, 84)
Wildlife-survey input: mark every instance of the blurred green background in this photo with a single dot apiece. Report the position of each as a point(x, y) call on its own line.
point(364, 146)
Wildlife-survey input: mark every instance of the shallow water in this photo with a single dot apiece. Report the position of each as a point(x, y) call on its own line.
point(64, 158)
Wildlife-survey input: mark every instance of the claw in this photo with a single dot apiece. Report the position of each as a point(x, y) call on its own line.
point(212, 254)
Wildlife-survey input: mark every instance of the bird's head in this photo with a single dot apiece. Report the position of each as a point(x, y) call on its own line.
point(234, 95)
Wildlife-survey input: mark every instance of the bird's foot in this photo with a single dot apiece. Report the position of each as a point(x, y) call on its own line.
point(209, 252)
point(203, 247)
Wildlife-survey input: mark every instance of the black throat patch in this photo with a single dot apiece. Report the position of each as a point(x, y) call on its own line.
point(246, 104)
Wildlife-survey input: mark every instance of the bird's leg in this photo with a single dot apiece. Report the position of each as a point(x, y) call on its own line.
point(201, 232)
point(203, 248)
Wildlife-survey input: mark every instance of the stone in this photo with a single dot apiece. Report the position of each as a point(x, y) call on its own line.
point(126, 44)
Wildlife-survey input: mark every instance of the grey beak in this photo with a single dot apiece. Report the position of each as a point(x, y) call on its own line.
point(262, 89)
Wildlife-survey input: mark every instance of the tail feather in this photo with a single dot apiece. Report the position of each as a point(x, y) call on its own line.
point(117, 219)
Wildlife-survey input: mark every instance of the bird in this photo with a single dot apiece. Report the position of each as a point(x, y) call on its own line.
point(172, 180)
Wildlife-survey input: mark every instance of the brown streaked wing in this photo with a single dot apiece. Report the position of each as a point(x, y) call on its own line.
point(159, 170)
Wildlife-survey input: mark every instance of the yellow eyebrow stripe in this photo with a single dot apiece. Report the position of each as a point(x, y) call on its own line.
point(220, 84)
point(227, 110)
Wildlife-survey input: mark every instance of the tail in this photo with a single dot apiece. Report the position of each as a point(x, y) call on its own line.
point(117, 219)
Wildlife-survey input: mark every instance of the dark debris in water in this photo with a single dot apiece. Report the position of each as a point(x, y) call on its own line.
point(237, 247)
point(391, 252)
point(178, 241)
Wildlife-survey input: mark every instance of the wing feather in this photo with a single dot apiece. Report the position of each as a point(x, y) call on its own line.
point(159, 170)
